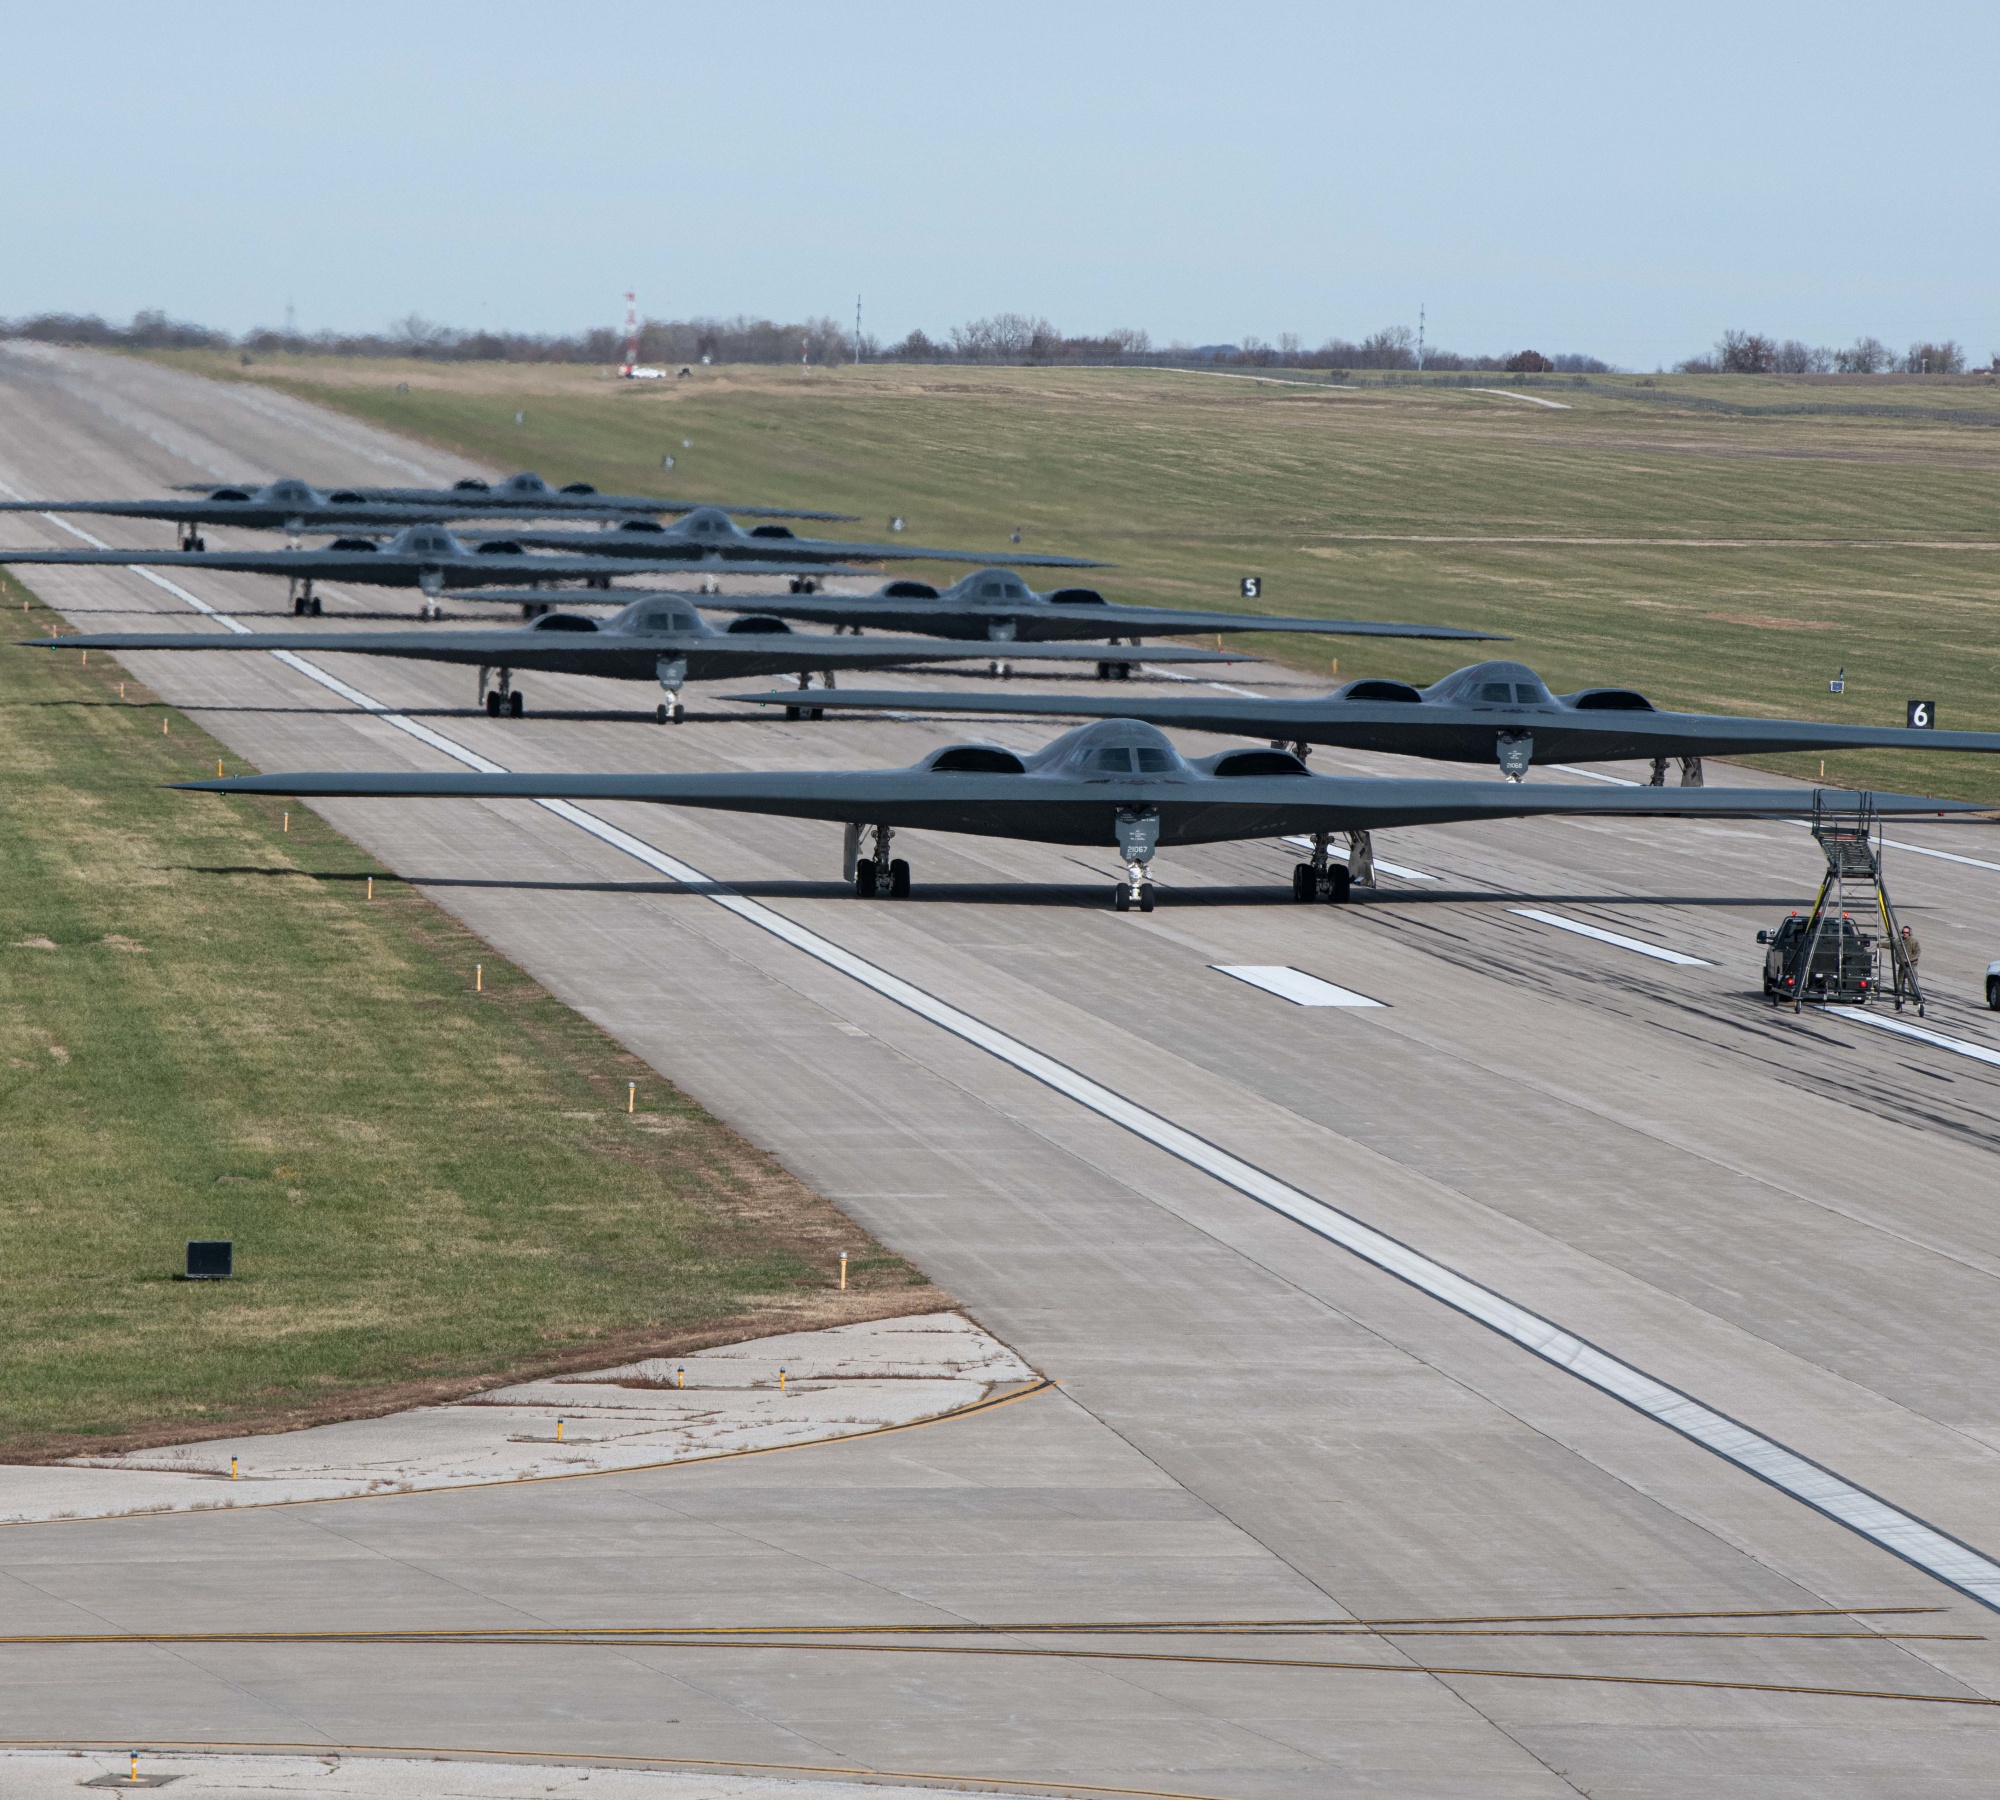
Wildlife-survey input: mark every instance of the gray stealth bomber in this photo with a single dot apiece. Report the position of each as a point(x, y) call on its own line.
point(996, 605)
point(425, 556)
point(525, 496)
point(1116, 782)
point(294, 506)
point(650, 640)
point(1491, 712)
point(708, 533)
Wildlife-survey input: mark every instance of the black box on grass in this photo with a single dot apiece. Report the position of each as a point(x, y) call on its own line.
point(210, 1259)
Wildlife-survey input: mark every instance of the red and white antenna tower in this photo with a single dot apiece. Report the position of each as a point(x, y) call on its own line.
point(631, 333)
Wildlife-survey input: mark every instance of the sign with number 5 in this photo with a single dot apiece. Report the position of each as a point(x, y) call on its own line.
point(1922, 715)
point(1252, 586)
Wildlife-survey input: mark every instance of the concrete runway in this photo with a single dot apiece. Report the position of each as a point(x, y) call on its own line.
point(1790, 1219)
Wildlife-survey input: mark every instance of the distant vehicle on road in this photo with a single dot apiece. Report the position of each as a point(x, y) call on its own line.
point(1842, 971)
point(1993, 985)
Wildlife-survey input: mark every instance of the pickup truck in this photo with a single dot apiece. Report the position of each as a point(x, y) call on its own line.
point(1843, 962)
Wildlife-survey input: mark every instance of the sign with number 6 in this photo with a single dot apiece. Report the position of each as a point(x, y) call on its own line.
point(1922, 715)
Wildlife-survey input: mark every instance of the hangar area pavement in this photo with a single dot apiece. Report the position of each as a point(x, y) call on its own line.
point(1787, 1218)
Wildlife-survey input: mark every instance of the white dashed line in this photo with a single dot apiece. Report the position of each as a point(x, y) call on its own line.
point(1639, 946)
point(1884, 1022)
point(1387, 868)
point(1294, 985)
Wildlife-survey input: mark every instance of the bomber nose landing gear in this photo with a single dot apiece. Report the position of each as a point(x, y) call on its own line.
point(672, 671)
point(1138, 835)
point(304, 600)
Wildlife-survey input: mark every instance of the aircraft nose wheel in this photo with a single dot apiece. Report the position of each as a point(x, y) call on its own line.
point(1122, 897)
point(669, 714)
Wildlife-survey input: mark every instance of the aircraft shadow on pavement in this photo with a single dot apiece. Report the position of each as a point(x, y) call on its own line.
point(1089, 895)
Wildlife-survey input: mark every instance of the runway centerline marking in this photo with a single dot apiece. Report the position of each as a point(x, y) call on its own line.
point(1639, 946)
point(1882, 1022)
point(1971, 862)
point(1387, 868)
point(1592, 775)
point(1294, 985)
point(1902, 1534)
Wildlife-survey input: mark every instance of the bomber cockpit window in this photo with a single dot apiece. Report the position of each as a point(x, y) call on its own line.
point(1153, 761)
point(1115, 760)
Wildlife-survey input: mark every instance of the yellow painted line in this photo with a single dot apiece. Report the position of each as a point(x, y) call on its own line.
point(1018, 1628)
point(969, 1410)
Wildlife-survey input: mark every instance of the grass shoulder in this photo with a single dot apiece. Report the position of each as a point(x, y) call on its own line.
point(431, 1179)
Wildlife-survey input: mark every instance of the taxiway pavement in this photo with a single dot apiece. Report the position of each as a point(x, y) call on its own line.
point(1789, 1218)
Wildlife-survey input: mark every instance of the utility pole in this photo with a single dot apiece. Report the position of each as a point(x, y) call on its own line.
point(1420, 339)
point(857, 329)
point(631, 332)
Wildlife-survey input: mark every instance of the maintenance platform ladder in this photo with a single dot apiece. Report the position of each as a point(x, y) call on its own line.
point(1847, 830)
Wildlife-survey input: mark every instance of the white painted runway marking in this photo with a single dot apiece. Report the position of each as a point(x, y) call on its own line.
point(1294, 985)
point(1971, 862)
point(1901, 1533)
point(1884, 1022)
point(1531, 399)
point(1387, 868)
point(1659, 952)
point(1592, 775)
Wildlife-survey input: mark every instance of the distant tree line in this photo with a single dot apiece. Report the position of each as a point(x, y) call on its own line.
point(1751, 353)
point(1004, 338)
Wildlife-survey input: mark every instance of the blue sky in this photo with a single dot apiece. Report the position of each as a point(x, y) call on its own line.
point(1625, 181)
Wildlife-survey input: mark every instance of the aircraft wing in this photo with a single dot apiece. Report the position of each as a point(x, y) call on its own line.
point(1039, 808)
point(376, 568)
point(617, 655)
point(1041, 623)
point(1446, 734)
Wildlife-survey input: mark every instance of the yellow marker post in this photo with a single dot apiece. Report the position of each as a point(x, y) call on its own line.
point(121, 690)
point(86, 659)
point(559, 1431)
point(135, 1754)
point(371, 887)
point(631, 1096)
point(218, 768)
point(781, 1381)
point(164, 725)
point(233, 1471)
point(680, 1378)
point(843, 1271)
point(479, 978)
point(288, 821)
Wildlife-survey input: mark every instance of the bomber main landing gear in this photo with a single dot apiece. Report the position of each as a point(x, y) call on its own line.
point(1322, 878)
point(1690, 771)
point(877, 877)
point(805, 682)
point(192, 540)
point(503, 701)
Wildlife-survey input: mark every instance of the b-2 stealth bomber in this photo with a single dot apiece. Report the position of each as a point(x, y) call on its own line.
point(1491, 712)
point(996, 605)
point(428, 557)
point(1114, 783)
point(295, 507)
point(650, 640)
point(526, 496)
point(708, 533)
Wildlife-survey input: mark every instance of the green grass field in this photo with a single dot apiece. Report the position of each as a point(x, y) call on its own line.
point(209, 1030)
point(1720, 543)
